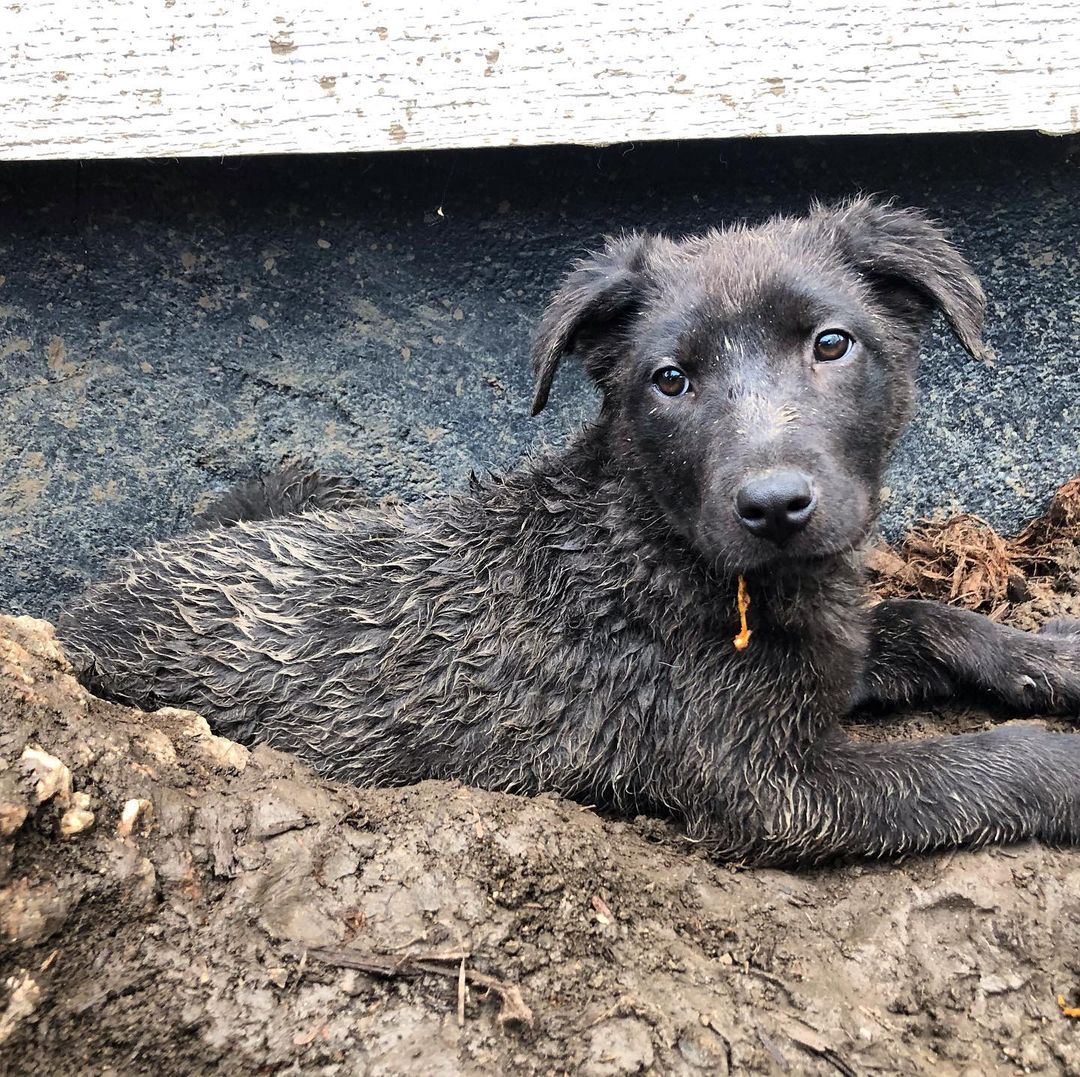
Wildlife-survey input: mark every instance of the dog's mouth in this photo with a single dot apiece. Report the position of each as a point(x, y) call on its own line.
point(782, 563)
point(737, 554)
point(790, 562)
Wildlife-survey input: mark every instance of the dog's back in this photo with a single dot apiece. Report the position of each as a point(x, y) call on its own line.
point(460, 641)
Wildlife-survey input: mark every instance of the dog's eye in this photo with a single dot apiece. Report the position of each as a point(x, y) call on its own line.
point(831, 345)
point(671, 381)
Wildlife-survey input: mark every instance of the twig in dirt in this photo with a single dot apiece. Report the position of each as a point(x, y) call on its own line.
point(625, 1006)
point(514, 1010)
point(811, 1040)
point(775, 1053)
point(875, 1016)
point(461, 994)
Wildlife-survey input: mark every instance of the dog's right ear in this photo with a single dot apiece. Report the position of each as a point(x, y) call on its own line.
point(904, 252)
point(600, 293)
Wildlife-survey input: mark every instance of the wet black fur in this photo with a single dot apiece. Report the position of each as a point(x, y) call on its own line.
point(569, 627)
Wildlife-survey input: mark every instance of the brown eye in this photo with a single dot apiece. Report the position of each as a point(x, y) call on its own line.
point(831, 345)
point(671, 381)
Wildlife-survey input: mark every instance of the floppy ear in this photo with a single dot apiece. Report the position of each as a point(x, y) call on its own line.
point(902, 250)
point(598, 295)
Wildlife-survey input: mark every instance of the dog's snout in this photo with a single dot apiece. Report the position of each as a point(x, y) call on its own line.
point(776, 505)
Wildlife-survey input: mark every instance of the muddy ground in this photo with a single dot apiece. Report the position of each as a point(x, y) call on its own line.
point(178, 904)
point(167, 328)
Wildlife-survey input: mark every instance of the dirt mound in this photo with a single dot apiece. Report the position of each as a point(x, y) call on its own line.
point(171, 903)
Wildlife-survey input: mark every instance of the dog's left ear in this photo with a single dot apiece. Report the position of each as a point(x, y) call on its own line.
point(903, 251)
point(586, 315)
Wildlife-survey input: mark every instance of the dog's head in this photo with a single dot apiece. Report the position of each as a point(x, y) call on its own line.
point(755, 380)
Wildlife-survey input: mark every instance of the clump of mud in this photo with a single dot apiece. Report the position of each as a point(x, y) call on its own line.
point(171, 903)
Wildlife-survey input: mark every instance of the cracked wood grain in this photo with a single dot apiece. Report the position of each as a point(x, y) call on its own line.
point(134, 78)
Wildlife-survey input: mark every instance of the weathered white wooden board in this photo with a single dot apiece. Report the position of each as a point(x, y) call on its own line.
point(148, 78)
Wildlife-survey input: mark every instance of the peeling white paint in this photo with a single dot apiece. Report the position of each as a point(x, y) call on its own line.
point(201, 77)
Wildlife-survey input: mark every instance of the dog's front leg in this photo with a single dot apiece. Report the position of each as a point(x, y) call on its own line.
point(848, 798)
point(925, 651)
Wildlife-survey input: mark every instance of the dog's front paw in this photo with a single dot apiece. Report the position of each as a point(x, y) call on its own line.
point(1059, 675)
point(1039, 672)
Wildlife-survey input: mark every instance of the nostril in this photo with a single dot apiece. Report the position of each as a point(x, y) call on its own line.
point(750, 505)
point(776, 504)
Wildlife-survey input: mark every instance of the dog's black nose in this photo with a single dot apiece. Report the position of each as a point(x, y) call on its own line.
point(776, 504)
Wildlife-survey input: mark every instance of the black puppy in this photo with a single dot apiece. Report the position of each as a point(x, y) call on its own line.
point(572, 626)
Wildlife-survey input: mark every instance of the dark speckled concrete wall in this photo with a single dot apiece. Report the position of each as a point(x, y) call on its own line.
point(168, 327)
